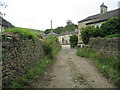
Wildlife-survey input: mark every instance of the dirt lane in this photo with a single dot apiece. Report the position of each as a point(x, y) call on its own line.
point(71, 71)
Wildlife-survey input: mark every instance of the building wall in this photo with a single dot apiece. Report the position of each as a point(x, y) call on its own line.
point(96, 24)
point(2, 28)
point(60, 39)
point(64, 39)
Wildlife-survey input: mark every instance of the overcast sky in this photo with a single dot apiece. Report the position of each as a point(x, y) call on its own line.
point(37, 14)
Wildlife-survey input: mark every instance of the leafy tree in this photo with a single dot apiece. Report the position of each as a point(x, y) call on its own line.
point(111, 26)
point(47, 31)
point(69, 22)
point(58, 30)
point(86, 33)
point(68, 28)
point(3, 5)
point(73, 41)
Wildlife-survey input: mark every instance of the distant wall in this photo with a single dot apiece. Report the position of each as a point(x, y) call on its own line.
point(107, 46)
point(18, 55)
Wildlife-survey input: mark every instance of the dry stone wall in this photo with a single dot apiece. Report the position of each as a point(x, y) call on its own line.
point(18, 55)
point(107, 46)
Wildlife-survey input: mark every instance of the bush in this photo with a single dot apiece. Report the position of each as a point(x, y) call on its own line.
point(86, 33)
point(73, 40)
point(111, 26)
point(23, 32)
point(51, 46)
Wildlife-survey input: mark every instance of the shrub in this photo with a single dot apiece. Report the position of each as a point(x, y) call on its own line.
point(111, 26)
point(86, 33)
point(73, 40)
point(24, 32)
point(47, 49)
point(51, 46)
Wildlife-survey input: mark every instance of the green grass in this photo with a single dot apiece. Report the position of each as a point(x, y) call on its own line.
point(113, 35)
point(23, 32)
point(56, 50)
point(109, 66)
point(85, 53)
point(39, 67)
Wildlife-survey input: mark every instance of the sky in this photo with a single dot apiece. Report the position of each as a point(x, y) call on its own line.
point(37, 14)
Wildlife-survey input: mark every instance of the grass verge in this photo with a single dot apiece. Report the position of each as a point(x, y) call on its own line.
point(39, 67)
point(109, 66)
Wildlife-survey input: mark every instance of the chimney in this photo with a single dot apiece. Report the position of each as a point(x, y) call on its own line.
point(103, 8)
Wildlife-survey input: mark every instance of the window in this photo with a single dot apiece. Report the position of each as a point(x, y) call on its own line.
point(98, 25)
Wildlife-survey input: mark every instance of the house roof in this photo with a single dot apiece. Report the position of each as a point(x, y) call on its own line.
point(102, 16)
point(67, 33)
point(52, 33)
point(4, 22)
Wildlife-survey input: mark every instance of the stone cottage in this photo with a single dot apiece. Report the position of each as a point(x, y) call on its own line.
point(97, 20)
point(65, 37)
point(4, 24)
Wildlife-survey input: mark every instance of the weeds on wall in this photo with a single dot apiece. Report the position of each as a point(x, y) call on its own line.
point(23, 32)
point(109, 66)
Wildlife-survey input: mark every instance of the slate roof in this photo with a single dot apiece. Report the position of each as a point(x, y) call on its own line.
point(52, 33)
point(67, 33)
point(5, 23)
point(102, 16)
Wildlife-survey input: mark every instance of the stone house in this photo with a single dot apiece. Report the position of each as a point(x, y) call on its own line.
point(97, 20)
point(4, 24)
point(65, 37)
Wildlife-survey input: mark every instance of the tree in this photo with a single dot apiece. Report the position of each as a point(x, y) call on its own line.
point(3, 5)
point(73, 41)
point(69, 22)
point(111, 26)
point(70, 26)
point(47, 31)
point(86, 33)
point(58, 30)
